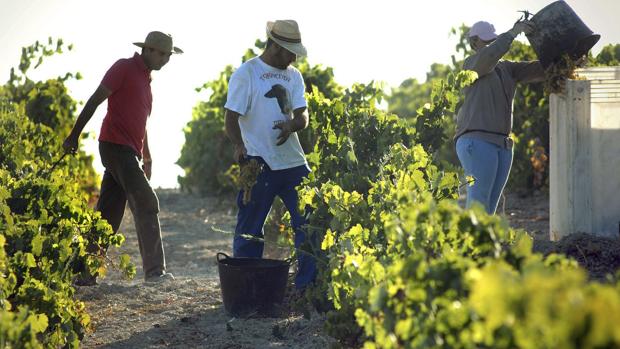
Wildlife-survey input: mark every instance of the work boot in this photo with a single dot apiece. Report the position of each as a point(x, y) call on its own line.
point(159, 278)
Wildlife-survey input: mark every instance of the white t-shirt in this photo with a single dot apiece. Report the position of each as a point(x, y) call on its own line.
point(265, 96)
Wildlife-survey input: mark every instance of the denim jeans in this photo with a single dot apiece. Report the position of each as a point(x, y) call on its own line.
point(251, 217)
point(489, 164)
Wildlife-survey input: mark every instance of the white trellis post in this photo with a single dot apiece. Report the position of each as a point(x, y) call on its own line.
point(585, 155)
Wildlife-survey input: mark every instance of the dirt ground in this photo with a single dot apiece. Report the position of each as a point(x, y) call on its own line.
point(188, 312)
point(530, 213)
point(600, 256)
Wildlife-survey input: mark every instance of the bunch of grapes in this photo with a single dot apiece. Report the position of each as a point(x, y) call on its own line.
point(558, 72)
point(248, 173)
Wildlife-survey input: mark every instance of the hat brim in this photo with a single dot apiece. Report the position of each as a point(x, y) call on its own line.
point(485, 36)
point(175, 49)
point(297, 48)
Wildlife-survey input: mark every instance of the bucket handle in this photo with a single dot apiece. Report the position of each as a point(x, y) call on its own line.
point(220, 256)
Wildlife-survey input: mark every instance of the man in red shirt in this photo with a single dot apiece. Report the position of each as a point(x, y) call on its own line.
point(123, 144)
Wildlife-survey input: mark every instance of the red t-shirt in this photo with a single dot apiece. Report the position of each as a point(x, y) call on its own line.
point(130, 103)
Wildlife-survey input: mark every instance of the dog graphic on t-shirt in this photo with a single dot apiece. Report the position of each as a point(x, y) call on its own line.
point(281, 94)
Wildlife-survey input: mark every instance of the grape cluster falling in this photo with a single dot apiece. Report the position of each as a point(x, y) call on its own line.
point(557, 73)
point(248, 174)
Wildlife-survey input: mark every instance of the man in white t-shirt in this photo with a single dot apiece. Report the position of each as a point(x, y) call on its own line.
point(264, 109)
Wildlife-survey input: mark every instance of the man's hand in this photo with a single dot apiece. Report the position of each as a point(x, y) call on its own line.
point(71, 143)
point(285, 131)
point(526, 27)
point(240, 153)
point(147, 166)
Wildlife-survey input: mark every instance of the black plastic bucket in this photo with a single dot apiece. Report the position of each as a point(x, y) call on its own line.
point(559, 31)
point(252, 285)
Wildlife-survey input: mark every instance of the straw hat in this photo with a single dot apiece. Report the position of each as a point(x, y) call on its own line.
point(286, 34)
point(159, 41)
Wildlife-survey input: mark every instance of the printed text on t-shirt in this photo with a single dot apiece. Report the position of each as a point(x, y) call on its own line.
point(271, 75)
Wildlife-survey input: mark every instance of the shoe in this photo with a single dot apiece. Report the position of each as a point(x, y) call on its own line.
point(158, 278)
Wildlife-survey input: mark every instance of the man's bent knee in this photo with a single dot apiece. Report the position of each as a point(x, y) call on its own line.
point(145, 201)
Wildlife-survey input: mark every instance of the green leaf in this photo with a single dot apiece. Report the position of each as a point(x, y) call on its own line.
point(37, 244)
point(38, 322)
point(332, 139)
point(29, 260)
point(328, 240)
point(351, 157)
point(129, 270)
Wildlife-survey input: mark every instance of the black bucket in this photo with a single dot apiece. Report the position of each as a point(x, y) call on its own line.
point(252, 285)
point(560, 31)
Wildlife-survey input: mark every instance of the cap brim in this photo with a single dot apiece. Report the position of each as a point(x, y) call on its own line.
point(488, 37)
point(175, 49)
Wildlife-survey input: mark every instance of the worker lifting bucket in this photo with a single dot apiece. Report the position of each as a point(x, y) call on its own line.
point(560, 31)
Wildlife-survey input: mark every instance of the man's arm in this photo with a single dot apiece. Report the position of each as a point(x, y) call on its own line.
point(234, 134)
point(71, 143)
point(299, 122)
point(147, 162)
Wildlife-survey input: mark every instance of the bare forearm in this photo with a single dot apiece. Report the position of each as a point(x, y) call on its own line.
point(300, 120)
point(72, 142)
point(89, 109)
point(85, 116)
point(232, 128)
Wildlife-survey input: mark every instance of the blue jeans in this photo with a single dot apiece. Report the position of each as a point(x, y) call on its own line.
point(251, 217)
point(489, 164)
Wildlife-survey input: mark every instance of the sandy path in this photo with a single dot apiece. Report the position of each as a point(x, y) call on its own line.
point(186, 313)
